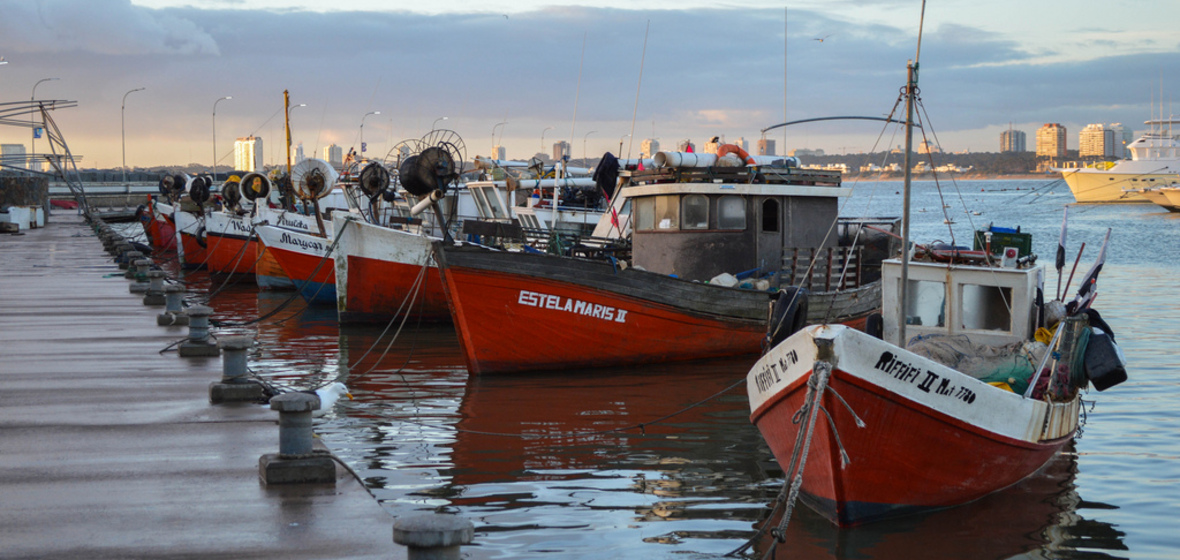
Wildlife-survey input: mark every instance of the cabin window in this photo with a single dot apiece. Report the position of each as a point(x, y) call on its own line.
point(926, 303)
point(694, 209)
point(480, 203)
point(986, 308)
point(494, 205)
point(645, 213)
point(731, 213)
point(770, 215)
point(667, 212)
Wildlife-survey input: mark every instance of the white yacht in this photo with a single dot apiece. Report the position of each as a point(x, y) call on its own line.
point(1155, 162)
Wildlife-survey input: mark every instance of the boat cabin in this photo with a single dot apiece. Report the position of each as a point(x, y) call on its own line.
point(993, 305)
point(706, 226)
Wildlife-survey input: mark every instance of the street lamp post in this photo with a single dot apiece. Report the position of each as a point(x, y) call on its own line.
point(543, 138)
point(363, 130)
point(621, 144)
point(123, 130)
point(432, 125)
point(215, 135)
point(32, 119)
point(585, 161)
point(494, 154)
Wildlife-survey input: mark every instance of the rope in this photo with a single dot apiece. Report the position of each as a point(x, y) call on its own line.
point(793, 474)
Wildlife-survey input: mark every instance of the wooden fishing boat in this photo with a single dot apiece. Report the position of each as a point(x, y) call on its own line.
point(523, 311)
point(955, 400)
point(305, 259)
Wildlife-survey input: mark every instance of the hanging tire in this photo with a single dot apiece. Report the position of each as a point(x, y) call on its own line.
point(789, 315)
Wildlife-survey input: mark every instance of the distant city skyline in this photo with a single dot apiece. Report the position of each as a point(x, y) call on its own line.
point(706, 72)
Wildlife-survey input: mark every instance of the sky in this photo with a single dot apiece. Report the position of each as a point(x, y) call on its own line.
point(588, 74)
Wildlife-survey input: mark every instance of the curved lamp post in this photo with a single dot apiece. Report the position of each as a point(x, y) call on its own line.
point(435, 123)
point(123, 130)
point(215, 135)
point(363, 129)
point(584, 159)
point(32, 119)
point(543, 138)
point(494, 154)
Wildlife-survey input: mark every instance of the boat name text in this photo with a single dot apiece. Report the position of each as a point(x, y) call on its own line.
point(559, 303)
point(239, 225)
point(925, 380)
point(301, 243)
point(769, 376)
point(284, 221)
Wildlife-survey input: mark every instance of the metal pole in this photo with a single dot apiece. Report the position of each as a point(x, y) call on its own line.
point(363, 131)
point(215, 135)
point(494, 154)
point(910, 86)
point(432, 125)
point(32, 121)
point(584, 160)
point(123, 130)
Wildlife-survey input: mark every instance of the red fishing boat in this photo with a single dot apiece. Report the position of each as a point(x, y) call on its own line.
point(523, 311)
point(955, 399)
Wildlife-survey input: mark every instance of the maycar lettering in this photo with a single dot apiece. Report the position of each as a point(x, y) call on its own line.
point(301, 243)
point(570, 305)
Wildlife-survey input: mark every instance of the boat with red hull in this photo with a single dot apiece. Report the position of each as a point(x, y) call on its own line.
point(305, 260)
point(383, 272)
point(963, 392)
point(523, 311)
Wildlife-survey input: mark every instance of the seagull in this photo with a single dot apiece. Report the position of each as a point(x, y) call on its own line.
point(821, 39)
point(328, 395)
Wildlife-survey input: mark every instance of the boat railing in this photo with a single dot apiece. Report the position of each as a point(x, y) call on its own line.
point(823, 269)
point(739, 175)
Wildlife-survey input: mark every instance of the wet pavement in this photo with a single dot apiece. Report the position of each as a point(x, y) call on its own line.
point(110, 449)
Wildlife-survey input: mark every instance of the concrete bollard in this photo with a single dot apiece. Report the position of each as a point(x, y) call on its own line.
point(198, 343)
point(433, 536)
point(139, 270)
point(173, 314)
point(155, 290)
point(295, 463)
point(234, 386)
point(124, 254)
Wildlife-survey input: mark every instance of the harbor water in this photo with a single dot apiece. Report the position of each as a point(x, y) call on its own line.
point(662, 461)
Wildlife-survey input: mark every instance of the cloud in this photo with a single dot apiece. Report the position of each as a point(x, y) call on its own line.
point(110, 27)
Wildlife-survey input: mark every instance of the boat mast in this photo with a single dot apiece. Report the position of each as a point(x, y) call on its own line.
point(911, 87)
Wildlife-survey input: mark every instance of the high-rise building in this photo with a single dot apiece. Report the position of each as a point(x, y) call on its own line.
point(686, 146)
point(1096, 141)
point(297, 153)
point(334, 155)
point(1012, 140)
point(560, 150)
point(1051, 141)
point(712, 145)
point(649, 148)
point(742, 143)
point(13, 155)
point(248, 154)
point(1122, 137)
point(766, 147)
point(499, 152)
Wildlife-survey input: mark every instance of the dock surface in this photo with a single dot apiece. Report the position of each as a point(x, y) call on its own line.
point(110, 449)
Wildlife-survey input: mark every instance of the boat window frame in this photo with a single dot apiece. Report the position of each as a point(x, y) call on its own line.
point(741, 203)
point(1001, 303)
point(777, 215)
point(667, 212)
point(914, 297)
point(702, 205)
point(644, 213)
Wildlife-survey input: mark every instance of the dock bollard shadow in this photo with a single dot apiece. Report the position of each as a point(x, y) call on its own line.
point(234, 386)
point(433, 536)
point(296, 462)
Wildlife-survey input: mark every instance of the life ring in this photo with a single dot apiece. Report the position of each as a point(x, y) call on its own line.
point(201, 240)
point(726, 149)
point(788, 316)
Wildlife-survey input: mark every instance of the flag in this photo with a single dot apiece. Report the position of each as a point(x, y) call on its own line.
point(1061, 244)
point(364, 146)
point(37, 132)
point(1089, 287)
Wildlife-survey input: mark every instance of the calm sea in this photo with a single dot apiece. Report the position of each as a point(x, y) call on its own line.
point(619, 463)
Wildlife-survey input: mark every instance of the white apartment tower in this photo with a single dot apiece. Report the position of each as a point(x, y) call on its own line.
point(1096, 141)
point(334, 155)
point(297, 153)
point(649, 148)
point(1051, 141)
point(13, 155)
point(248, 154)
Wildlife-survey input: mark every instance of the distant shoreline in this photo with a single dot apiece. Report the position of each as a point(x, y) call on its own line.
point(968, 177)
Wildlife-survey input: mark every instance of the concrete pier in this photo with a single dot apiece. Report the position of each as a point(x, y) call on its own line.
point(112, 450)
